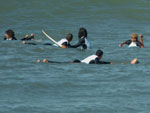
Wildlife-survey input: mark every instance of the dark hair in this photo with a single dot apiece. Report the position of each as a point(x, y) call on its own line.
point(69, 37)
point(82, 32)
point(11, 33)
point(99, 52)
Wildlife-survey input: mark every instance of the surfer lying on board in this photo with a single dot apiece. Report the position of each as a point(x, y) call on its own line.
point(134, 42)
point(83, 41)
point(9, 35)
point(93, 59)
point(64, 43)
point(27, 38)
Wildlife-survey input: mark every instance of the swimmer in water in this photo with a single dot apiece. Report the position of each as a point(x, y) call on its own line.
point(83, 41)
point(93, 59)
point(27, 38)
point(10, 35)
point(134, 42)
point(65, 43)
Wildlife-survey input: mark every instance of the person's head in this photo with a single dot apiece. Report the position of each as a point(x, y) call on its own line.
point(9, 34)
point(69, 37)
point(82, 32)
point(134, 37)
point(99, 53)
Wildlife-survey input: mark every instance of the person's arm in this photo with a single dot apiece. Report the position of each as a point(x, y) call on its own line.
point(122, 44)
point(64, 45)
point(141, 40)
point(80, 42)
point(126, 42)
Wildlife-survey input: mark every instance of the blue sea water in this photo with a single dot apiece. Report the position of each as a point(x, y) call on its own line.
point(30, 87)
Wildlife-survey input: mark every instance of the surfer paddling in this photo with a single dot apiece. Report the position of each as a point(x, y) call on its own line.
point(93, 59)
point(134, 42)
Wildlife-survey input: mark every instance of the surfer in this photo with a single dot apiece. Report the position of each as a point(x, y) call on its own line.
point(27, 38)
point(64, 43)
point(83, 41)
point(9, 35)
point(134, 42)
point(93, 59)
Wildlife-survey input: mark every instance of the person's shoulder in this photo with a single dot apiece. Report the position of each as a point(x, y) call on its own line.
point(128, 42)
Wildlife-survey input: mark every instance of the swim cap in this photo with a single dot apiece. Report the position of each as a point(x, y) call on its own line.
point(99, 52)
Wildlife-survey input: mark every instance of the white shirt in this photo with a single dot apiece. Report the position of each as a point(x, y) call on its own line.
point(89, 59)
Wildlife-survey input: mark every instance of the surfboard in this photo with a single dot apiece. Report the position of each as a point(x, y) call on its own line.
point(55, 42)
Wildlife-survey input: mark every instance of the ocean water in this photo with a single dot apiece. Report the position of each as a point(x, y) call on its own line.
point(30, 87)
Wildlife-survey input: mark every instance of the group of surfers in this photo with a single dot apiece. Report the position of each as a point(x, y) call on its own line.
point(83, 43)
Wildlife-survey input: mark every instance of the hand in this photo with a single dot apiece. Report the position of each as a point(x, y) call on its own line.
point(32, 35)
point(135, 61)
point(24, 42)
point(111, 63)
point(38, 61)
point(27, 36)
point(141, 35)
point(45, 61)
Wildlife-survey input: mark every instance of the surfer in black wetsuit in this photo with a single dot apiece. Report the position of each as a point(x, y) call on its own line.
point(83, 42)
point(10, 35)
point(65, 43)
point(134, 42)
point(93, 59)
point(27, 38)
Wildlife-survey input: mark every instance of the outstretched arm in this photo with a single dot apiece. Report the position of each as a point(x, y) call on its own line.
point(79, 43)
point(141, 40)
point(122, 44)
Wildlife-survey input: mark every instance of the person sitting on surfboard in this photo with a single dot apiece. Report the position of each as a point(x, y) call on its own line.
point(10, 35)
point(134, 41)
point(27, 38)
point(93, 59)
point(83, 41)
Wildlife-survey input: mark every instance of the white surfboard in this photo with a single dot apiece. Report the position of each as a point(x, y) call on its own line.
point(51, 38)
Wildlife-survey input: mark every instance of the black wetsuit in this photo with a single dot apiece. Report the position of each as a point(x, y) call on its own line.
point(78, 61)
point(138, 43)
point(30, 43)
point(81, 43)
point(13, 38)
point(27, 39)
point(97, 61)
